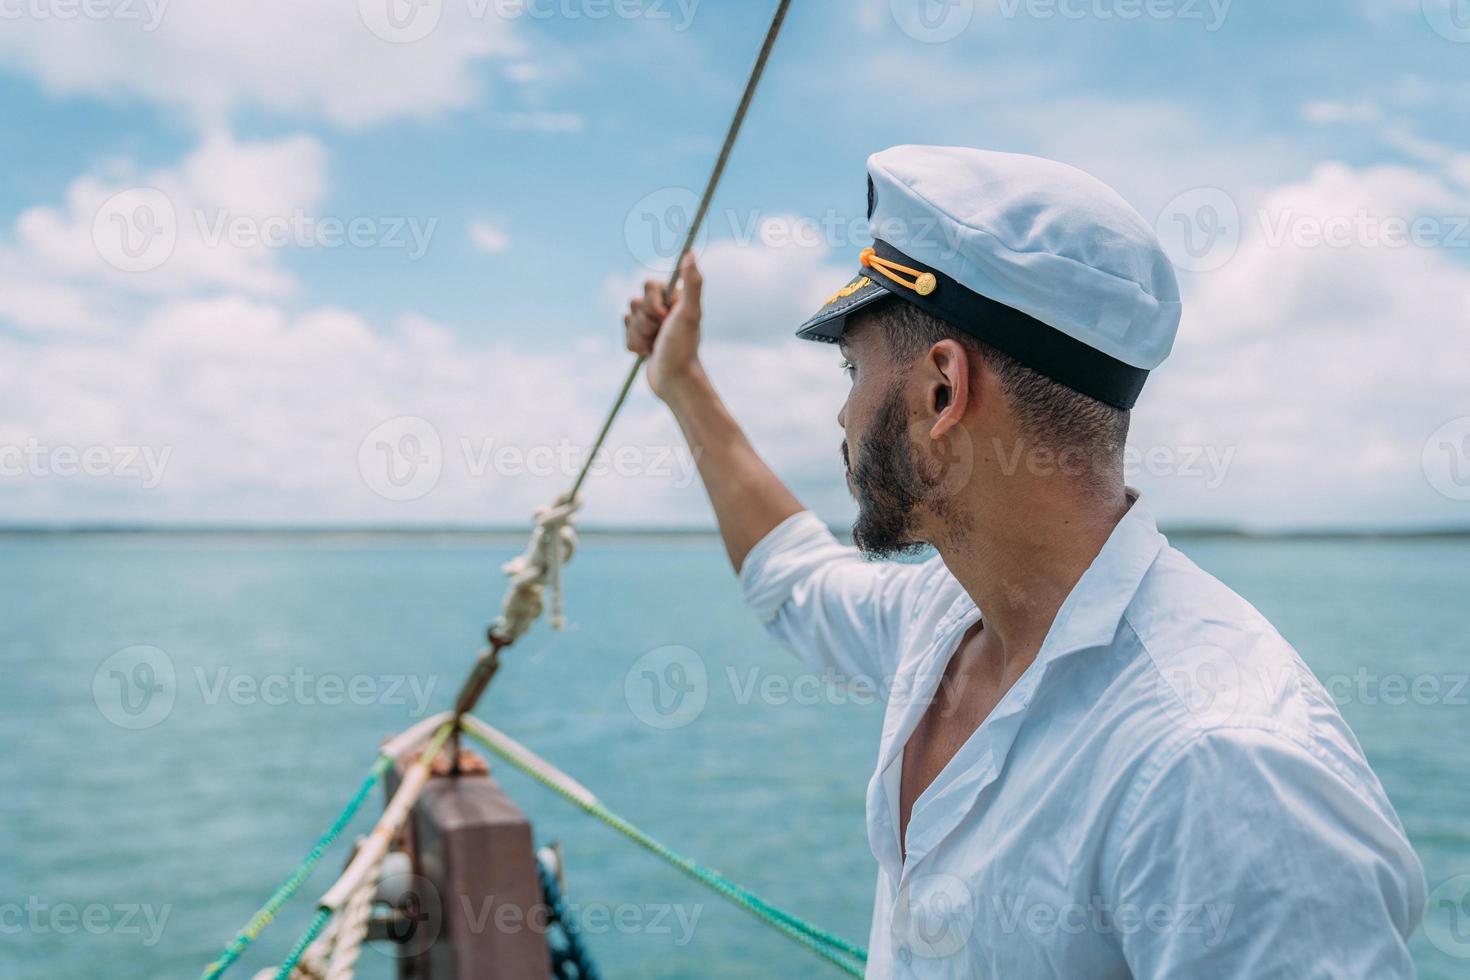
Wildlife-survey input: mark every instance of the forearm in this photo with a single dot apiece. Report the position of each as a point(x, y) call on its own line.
point(748, 497)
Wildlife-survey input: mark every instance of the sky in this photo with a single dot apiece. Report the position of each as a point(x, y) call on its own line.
point(363, 261)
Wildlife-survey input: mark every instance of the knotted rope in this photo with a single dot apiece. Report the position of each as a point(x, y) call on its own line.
point(536, 570)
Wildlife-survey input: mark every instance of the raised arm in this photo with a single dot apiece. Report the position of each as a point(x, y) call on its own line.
point(748, 498)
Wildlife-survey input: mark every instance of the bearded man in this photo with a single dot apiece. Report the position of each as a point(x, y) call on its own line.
point(1097, 761)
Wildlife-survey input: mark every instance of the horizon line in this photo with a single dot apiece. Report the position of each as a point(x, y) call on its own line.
point(59, 529)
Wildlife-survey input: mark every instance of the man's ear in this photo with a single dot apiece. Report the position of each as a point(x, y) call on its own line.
point(948, 385)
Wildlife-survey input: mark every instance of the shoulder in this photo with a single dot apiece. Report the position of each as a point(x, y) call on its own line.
point(1234, 706)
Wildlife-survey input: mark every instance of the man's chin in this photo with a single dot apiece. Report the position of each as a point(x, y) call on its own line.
point(882, 540)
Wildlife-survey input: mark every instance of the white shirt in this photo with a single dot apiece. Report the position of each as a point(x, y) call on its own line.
point(1167, 791)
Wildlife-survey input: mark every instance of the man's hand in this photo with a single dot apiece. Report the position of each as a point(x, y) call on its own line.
point(668, 336)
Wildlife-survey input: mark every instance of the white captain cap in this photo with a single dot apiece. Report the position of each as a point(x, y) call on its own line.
point(1038, 259)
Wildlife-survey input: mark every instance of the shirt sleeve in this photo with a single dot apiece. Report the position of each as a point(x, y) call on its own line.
point(1248, 856)
point(834, 609)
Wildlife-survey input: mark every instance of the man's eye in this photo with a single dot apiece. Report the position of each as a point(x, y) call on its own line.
point(848, 368)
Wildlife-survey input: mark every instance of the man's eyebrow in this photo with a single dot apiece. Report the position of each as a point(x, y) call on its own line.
point(843, 349)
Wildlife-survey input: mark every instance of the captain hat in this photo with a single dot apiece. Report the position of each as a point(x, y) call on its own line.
point(1041, 261)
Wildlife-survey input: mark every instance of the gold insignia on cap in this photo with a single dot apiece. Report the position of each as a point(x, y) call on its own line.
point(925, 284)
point(848, 290)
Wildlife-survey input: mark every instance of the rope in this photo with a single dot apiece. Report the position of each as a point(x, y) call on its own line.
point(534, 571)
point(267, 912)
point(353, 926)
point(318, 923)
point(824, 944)
point(689, 236)
point(575, 953)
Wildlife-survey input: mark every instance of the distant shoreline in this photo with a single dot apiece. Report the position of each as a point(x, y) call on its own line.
point(495, 533)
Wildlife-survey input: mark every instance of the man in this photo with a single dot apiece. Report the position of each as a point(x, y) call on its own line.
point(1097, 761)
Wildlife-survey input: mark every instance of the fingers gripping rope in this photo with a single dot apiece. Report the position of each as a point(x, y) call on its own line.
point(536, 570)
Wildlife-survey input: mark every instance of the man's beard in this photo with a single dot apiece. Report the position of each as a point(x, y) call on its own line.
point(887, 484)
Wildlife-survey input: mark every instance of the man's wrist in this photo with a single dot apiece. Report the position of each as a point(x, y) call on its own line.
point(689, 382)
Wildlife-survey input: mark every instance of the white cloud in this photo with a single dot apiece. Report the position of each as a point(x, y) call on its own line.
point(1322, 355)
point(488, 237)
point(292, 57)
point(175, 229)
point(261, 416)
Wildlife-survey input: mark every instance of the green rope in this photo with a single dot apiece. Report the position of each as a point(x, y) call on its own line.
point(307, 938)
point(268, 911)
point(826, 945)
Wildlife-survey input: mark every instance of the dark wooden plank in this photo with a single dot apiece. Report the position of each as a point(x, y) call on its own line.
point(474, 907)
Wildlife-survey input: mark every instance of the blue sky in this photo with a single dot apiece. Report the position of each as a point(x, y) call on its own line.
point(1319, 376)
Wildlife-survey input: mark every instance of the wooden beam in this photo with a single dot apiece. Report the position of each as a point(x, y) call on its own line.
point(473, 907)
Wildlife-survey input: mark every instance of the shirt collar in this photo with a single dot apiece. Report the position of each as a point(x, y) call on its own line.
point(1090, 614)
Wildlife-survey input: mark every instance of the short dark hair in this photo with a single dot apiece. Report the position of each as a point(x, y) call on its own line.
point(1053, 414)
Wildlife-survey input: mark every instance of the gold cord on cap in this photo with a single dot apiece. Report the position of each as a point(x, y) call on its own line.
point(923, 283)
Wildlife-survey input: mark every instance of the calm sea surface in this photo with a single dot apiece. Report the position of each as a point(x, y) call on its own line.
point(137, 851)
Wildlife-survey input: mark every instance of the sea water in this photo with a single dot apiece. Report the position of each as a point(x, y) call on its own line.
point(150, 800)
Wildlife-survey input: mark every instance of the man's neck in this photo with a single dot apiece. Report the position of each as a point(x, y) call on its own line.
point(1019, 560)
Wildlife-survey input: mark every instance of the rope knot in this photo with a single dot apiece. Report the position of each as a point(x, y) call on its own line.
point(538, 568)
